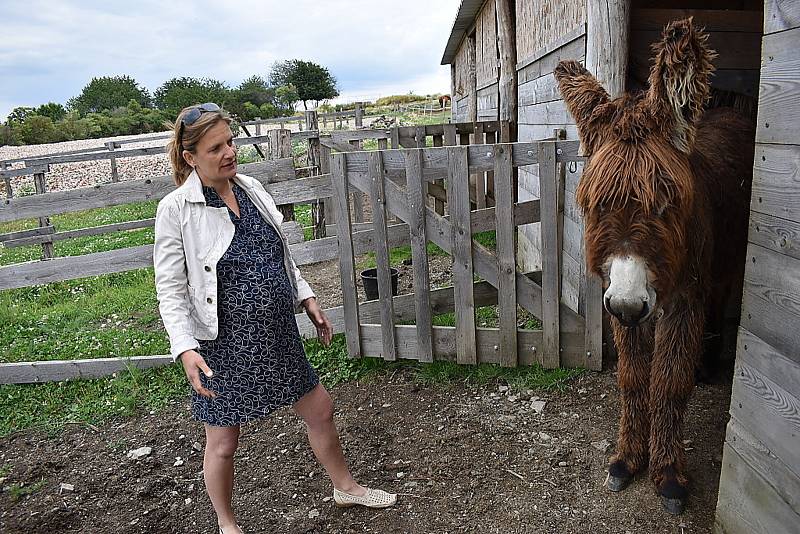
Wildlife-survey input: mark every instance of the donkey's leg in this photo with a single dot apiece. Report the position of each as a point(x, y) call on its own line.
point(678, 342)
point(635, 347)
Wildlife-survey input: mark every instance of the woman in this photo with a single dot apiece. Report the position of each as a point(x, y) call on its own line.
point(227, 289)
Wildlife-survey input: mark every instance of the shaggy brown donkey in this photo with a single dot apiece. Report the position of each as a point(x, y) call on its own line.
point(665, 196)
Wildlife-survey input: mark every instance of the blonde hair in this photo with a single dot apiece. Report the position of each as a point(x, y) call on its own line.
point(192, 134)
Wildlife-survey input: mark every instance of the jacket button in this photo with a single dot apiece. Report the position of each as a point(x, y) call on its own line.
point(209, 300)
point(207, 268)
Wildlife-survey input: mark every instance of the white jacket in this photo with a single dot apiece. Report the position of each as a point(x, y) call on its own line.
point(190, 238)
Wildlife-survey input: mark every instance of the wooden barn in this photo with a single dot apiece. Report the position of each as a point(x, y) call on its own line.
point(502, 54)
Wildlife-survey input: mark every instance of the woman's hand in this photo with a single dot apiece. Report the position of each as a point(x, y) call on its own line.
point(193, 364)
point(317, 316)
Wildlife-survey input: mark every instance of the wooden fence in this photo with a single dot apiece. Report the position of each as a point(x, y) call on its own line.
point(565, 339)
point(279, 178)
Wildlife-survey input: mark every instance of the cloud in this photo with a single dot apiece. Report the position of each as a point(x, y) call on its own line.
point(52, 49)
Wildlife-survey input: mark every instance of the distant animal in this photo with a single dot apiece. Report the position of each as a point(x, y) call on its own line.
point(444, 101)
point(665, 196)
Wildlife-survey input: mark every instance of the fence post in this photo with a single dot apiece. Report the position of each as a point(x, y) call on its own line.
point(111, 145)
point(41, 187)
point(9, 191)
point(280, 146)
point(359, 116)
point(258, 129)
point(314, 157)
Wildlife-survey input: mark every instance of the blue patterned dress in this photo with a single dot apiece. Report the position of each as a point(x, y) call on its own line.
point(258, 358)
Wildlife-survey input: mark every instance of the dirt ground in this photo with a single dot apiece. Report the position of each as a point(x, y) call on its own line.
point(463, 459)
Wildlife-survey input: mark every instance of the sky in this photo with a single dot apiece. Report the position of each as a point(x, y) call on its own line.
point(50, 50)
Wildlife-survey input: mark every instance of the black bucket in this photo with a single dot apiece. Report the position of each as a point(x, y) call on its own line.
point(370, 280)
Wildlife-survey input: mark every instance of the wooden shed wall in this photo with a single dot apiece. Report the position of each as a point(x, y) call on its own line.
point(462, 89)
point(487, 63)
point(541, 22)
point(540, 112)
point(760, 480)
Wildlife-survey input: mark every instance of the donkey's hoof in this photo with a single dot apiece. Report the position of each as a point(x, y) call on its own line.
point(672, 505)
point(618, 476)
point(673, 496)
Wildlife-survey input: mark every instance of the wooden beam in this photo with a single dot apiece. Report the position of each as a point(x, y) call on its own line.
point(506, 43)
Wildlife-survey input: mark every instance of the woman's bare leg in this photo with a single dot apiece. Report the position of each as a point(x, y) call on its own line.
point(221, 444)
point(316, 409)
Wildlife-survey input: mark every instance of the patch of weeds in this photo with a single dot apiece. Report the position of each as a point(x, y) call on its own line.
point(19, 490)
point(5, 470)
point(335, 366)
point(528, 377)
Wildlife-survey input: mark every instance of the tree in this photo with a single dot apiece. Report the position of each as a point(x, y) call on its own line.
point(287, 97)
point(256, 91)
point(38, 129)
point(53, 110)
point(108, 92)
point(19, 114)
point(313, 82)
point(178, 93)
point(251, 95)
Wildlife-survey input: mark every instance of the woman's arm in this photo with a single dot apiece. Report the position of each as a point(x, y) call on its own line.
point(171, 281)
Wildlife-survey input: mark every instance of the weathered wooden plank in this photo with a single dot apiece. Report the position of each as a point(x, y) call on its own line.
point(575, 50)
point(156, 188)
point(57, 370)
point(784, 370)
point(781, 15)
point(747, 504)
point(779, 96)
point(24, 171)
point(771, 303)
point(481, 157)
point(775, 181)
point(345, 136)
point(378, 201)
point(551, 254)
point(777, 474)
point(775, 234)
point(545, 131)
point(554, 112)
point(419, 251)
point(504, 183)
point(23, 234)
point(487, 344)
point(769, 411)
point(73, 267)
point(458, 202)
point(346, 259)
point(49, 237)
point(441, 301)
point(536, 91)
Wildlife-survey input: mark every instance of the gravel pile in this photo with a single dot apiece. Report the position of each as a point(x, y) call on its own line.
point(86, 173)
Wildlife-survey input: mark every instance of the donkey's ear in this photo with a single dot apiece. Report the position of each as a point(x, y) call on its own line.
point(585, 99)
point(679, 81)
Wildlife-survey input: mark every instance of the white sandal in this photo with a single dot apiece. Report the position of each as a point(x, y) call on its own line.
point(373, 498)
point(223, 532)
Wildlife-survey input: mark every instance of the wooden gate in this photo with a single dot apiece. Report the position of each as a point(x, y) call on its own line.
point(396, 182)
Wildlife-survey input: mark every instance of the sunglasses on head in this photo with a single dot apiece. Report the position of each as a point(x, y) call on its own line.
point(191, 116)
